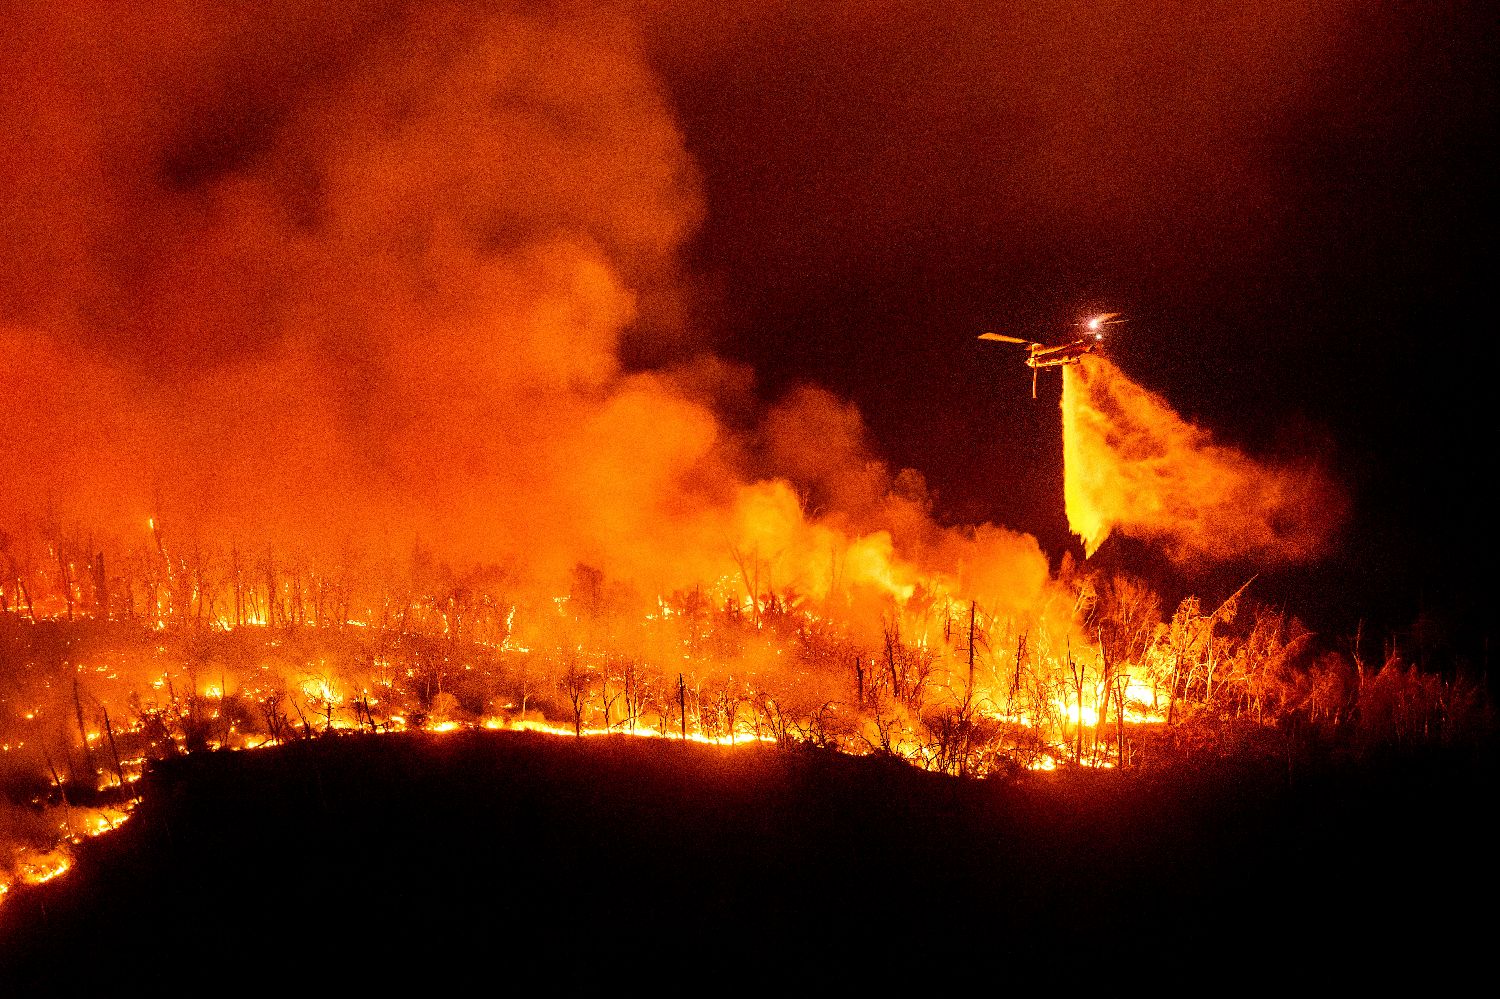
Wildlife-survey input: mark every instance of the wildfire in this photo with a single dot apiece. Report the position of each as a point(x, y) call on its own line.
point(36, 861)
point(941, 682)
point(40, 869)
point(428, 491)
point(431, 485)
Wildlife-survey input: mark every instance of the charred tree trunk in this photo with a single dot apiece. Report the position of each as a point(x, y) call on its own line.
point(1120, 723)
point(1172, 692)
point(62, 792)
point(65, 574)
point(890, 664)
point(295, 599)
point(83, 733)
point(1015, 682)
point(114, 750)
point(1076, 671)
point(1106, 690)
point(271, 602)
point(101, 588)
point(973, 610)
point(307, 731)
point(238, 584)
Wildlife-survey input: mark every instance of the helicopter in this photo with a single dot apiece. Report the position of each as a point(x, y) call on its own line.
point(1042, 356)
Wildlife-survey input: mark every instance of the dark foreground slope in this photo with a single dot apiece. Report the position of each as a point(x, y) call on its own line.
point(351, 864)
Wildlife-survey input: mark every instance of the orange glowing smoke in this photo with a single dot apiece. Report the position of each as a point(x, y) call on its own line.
point(1134, 465)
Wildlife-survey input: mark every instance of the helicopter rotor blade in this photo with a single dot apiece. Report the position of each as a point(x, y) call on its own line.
point(1002, 338)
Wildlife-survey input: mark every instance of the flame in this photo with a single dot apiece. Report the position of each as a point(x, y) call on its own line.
point(737, 662)
point(399, 472)
point(321, 689)
point(41, 868)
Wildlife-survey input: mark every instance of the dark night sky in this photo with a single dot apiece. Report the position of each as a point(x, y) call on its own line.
point(1289, 206)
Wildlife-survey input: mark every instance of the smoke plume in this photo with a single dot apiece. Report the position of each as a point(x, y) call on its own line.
point(348, 283)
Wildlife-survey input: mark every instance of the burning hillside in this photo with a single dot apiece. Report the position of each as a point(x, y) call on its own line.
point(352, 385)
point(361, 862)
point(109, 669)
